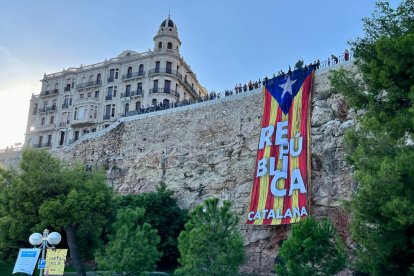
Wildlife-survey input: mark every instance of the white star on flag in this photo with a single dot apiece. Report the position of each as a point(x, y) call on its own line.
point(287, 86)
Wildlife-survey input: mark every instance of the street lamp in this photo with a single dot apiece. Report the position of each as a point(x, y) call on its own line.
point(43, 241)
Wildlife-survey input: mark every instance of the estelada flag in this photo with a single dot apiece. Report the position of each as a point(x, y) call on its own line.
point(282, 176)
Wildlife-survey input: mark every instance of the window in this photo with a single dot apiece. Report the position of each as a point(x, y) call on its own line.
point(141, 70)
point(90, 78)
point(155, 87)
point(98, 78)
point(75, 116)
point(137, 105)
point(116, 73)
point(35, 107)
point(154, 101)
point(165, 102)
point(94, 130)
point(43, 121)
point(115, 87)
point(107, 111)
point(169, 46)
point(111, 75)
point(40, 141)
point(128, 90)
point(81, 96)
point(52, 119)
point(96, 94)
point(126, 108)
point(110, 91)
point(139, 88)
point(62, 138)
point(76, 135)
point(49, 140)
point(129, 74)
point(113, 111)
point(167, 86)
point(168, 67)
point(159, 45)
point(89, 94)
point(157, 67)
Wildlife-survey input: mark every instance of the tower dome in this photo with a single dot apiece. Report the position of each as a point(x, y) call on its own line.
point(168, 23)
point(166, 38)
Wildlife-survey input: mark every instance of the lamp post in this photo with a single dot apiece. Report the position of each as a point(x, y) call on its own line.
point(43, 241)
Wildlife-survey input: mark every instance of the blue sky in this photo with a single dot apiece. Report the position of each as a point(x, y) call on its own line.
point(225, 42)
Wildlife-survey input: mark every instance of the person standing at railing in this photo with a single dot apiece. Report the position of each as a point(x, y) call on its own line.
point(334, 59)
point(346, 55)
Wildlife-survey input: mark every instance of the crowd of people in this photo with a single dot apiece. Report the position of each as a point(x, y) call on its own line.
point(243, 88)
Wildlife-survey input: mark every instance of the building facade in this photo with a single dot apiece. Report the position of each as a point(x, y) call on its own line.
point(81, 100)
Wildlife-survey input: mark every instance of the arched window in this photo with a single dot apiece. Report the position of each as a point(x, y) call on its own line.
point(137, 105)
point(154, 101)
point(52, 119)
point(43, 121)
point(129, 74)
point(91, 78)
point(159, 45)
point(98, 78)
point(141, 70)
point(169, 45)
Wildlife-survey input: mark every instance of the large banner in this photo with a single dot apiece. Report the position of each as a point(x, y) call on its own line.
point(282, 176)
point(55, 261)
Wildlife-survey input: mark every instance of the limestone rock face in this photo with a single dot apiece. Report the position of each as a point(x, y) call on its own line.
point(209, 150)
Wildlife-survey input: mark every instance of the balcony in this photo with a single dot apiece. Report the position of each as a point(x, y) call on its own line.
point(164, 91)
point(84, 122)
point(126, 94)
point(110, 79)
point(192, 90)
point(52, 92)
point(89, 84)
point(137, 93)
point(67, 88)
point(47, 109)
point(108, 97)
point(133, 75)
point(166, 71)
point(64, 124)
point(107, 117)
point(86, 100)
point(43, 145)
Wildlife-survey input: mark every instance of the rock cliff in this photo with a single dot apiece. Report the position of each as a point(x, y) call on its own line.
point(209, 150)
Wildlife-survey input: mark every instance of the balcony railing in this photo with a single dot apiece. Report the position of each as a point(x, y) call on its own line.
point(67, 88)
point(106, 117)
point(108, 97)
point(86, 100)
point(89, 84)
point(165, 91)
point(167, 71)
point(84, 121)
point(43, 145)
point(110, 79)
point(65, 105)
point(49, 92)
point(126, 94)
point(137, 93)
point(47, 109)
point(133, 75)
point(63, 124)
point(188, 85)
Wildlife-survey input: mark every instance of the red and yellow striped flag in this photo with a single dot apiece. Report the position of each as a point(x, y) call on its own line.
point(281, 185)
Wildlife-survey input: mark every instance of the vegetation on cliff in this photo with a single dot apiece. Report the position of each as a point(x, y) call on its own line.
point(381, 146)
point(313, 248)
point(211, 243)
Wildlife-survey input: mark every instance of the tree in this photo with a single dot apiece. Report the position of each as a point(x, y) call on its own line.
point(133, 248)
point(163, 213)
point(381, 146)
point(313, 248)
point(211, 243)
point(46, 194)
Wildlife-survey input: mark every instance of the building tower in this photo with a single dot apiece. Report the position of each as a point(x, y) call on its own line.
point(166, 40)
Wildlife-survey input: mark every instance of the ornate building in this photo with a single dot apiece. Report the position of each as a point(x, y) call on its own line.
point(81, 100)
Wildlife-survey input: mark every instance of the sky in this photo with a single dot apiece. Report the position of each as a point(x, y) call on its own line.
point(224, 41)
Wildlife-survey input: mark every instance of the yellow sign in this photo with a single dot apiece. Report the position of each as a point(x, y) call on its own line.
point(55, 261)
